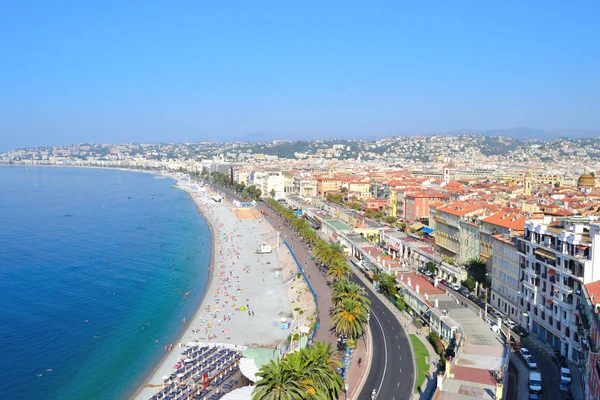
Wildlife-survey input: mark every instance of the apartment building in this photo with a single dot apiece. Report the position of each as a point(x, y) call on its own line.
point(446, 221)
point(241, 176)
point(505, 275)
point(305, 187)
point(557, 258)
point(503, 223)
point(416, 204)
point(327, 184)
point(270, 182)
point(360, 188)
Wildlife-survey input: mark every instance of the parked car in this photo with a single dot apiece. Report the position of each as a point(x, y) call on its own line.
point(443, 282)
point(531, 363)
point(524, 352)
point(455, 286)
point(564, 387)
point(534, 396)
point(521, 331)
point(471, 297)
point(565, 375)
point(510, 324)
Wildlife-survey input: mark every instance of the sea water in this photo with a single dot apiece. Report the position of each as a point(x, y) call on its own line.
point(94, 269)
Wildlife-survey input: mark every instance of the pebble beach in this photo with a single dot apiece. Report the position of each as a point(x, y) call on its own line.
point(246, 299)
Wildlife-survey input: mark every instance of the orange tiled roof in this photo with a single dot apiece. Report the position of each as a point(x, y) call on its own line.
point(508, 220)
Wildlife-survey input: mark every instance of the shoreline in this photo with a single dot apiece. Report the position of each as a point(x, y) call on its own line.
point(255, 283)
point(198, 309)
point(233, 237)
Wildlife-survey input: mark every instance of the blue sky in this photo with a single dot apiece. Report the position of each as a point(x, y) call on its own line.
point(143, 71)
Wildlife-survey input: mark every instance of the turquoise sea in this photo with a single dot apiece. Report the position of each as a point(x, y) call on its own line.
point(94, 267)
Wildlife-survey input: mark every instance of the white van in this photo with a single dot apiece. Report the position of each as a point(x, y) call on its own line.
point(535, 382)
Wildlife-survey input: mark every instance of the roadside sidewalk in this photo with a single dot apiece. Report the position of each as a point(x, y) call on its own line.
point(357, 374)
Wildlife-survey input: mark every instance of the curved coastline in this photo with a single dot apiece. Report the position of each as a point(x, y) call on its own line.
point(198, 308)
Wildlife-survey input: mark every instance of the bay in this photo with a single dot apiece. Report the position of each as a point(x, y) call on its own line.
point(94, 267)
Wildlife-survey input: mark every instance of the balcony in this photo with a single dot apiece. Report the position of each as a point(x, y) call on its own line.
point(566, 288)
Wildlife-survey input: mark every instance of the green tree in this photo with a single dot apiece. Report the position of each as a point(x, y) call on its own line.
point(431, 267)
point(272, 193)
point(278, 382)
point(400, 303)
point(369, 213)
point(469, 283)
point(338, 270)
point(476, 270)
point(349, 318)
point(309, 234)
point(390, 220)
point(345, 289)
point(387, 283)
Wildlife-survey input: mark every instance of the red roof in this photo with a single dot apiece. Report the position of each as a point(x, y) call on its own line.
point(507, 220)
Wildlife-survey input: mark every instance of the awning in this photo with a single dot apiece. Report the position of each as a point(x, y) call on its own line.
point(551, 272)
point(416, 226)
point(428, 230)
point(393, 247)
point(545, 253)
point(549, 301)
point(243, 393)
point(249, 369)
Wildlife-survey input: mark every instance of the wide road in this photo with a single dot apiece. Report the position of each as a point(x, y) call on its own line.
point(392, 368)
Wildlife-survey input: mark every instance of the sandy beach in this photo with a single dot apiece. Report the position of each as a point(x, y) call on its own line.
point(246, 298)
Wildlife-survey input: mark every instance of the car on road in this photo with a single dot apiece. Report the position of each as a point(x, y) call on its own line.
point(524, 352)
point(535, 382)
point(510, 324)
point(565, 375)
point(521, 331)
point(564, 387)
point(534, 396)
point(531, 363)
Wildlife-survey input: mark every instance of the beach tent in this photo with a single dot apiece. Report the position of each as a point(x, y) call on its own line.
point(249, 369)
point(243, 393)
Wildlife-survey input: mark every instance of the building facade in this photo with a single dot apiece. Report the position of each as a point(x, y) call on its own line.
point(556, 260)
point(505, 276)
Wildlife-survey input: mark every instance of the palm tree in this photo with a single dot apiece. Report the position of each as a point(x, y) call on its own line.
point(305, 374)
point(309, 234)
point(278, 383)
point(349, 318)
point(338, 270)
point(329, 253)
point(344, 289)
point(319, 369)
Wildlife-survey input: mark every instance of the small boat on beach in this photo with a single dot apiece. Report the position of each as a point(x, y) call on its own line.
point(264, 249)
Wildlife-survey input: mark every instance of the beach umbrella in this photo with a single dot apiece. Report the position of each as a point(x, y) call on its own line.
point(242, 308)
point(165, 377)
point(283, 320)
point(180, 375)
point(187, 360)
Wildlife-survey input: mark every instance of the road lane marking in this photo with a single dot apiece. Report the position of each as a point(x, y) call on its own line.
point(385, 350)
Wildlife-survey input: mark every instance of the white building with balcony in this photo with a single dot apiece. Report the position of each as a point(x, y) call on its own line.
point(557, 257)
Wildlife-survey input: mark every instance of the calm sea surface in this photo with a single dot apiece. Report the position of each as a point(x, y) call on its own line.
point(94, 267)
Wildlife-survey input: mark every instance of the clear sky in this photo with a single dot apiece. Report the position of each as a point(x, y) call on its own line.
point(143, 71)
